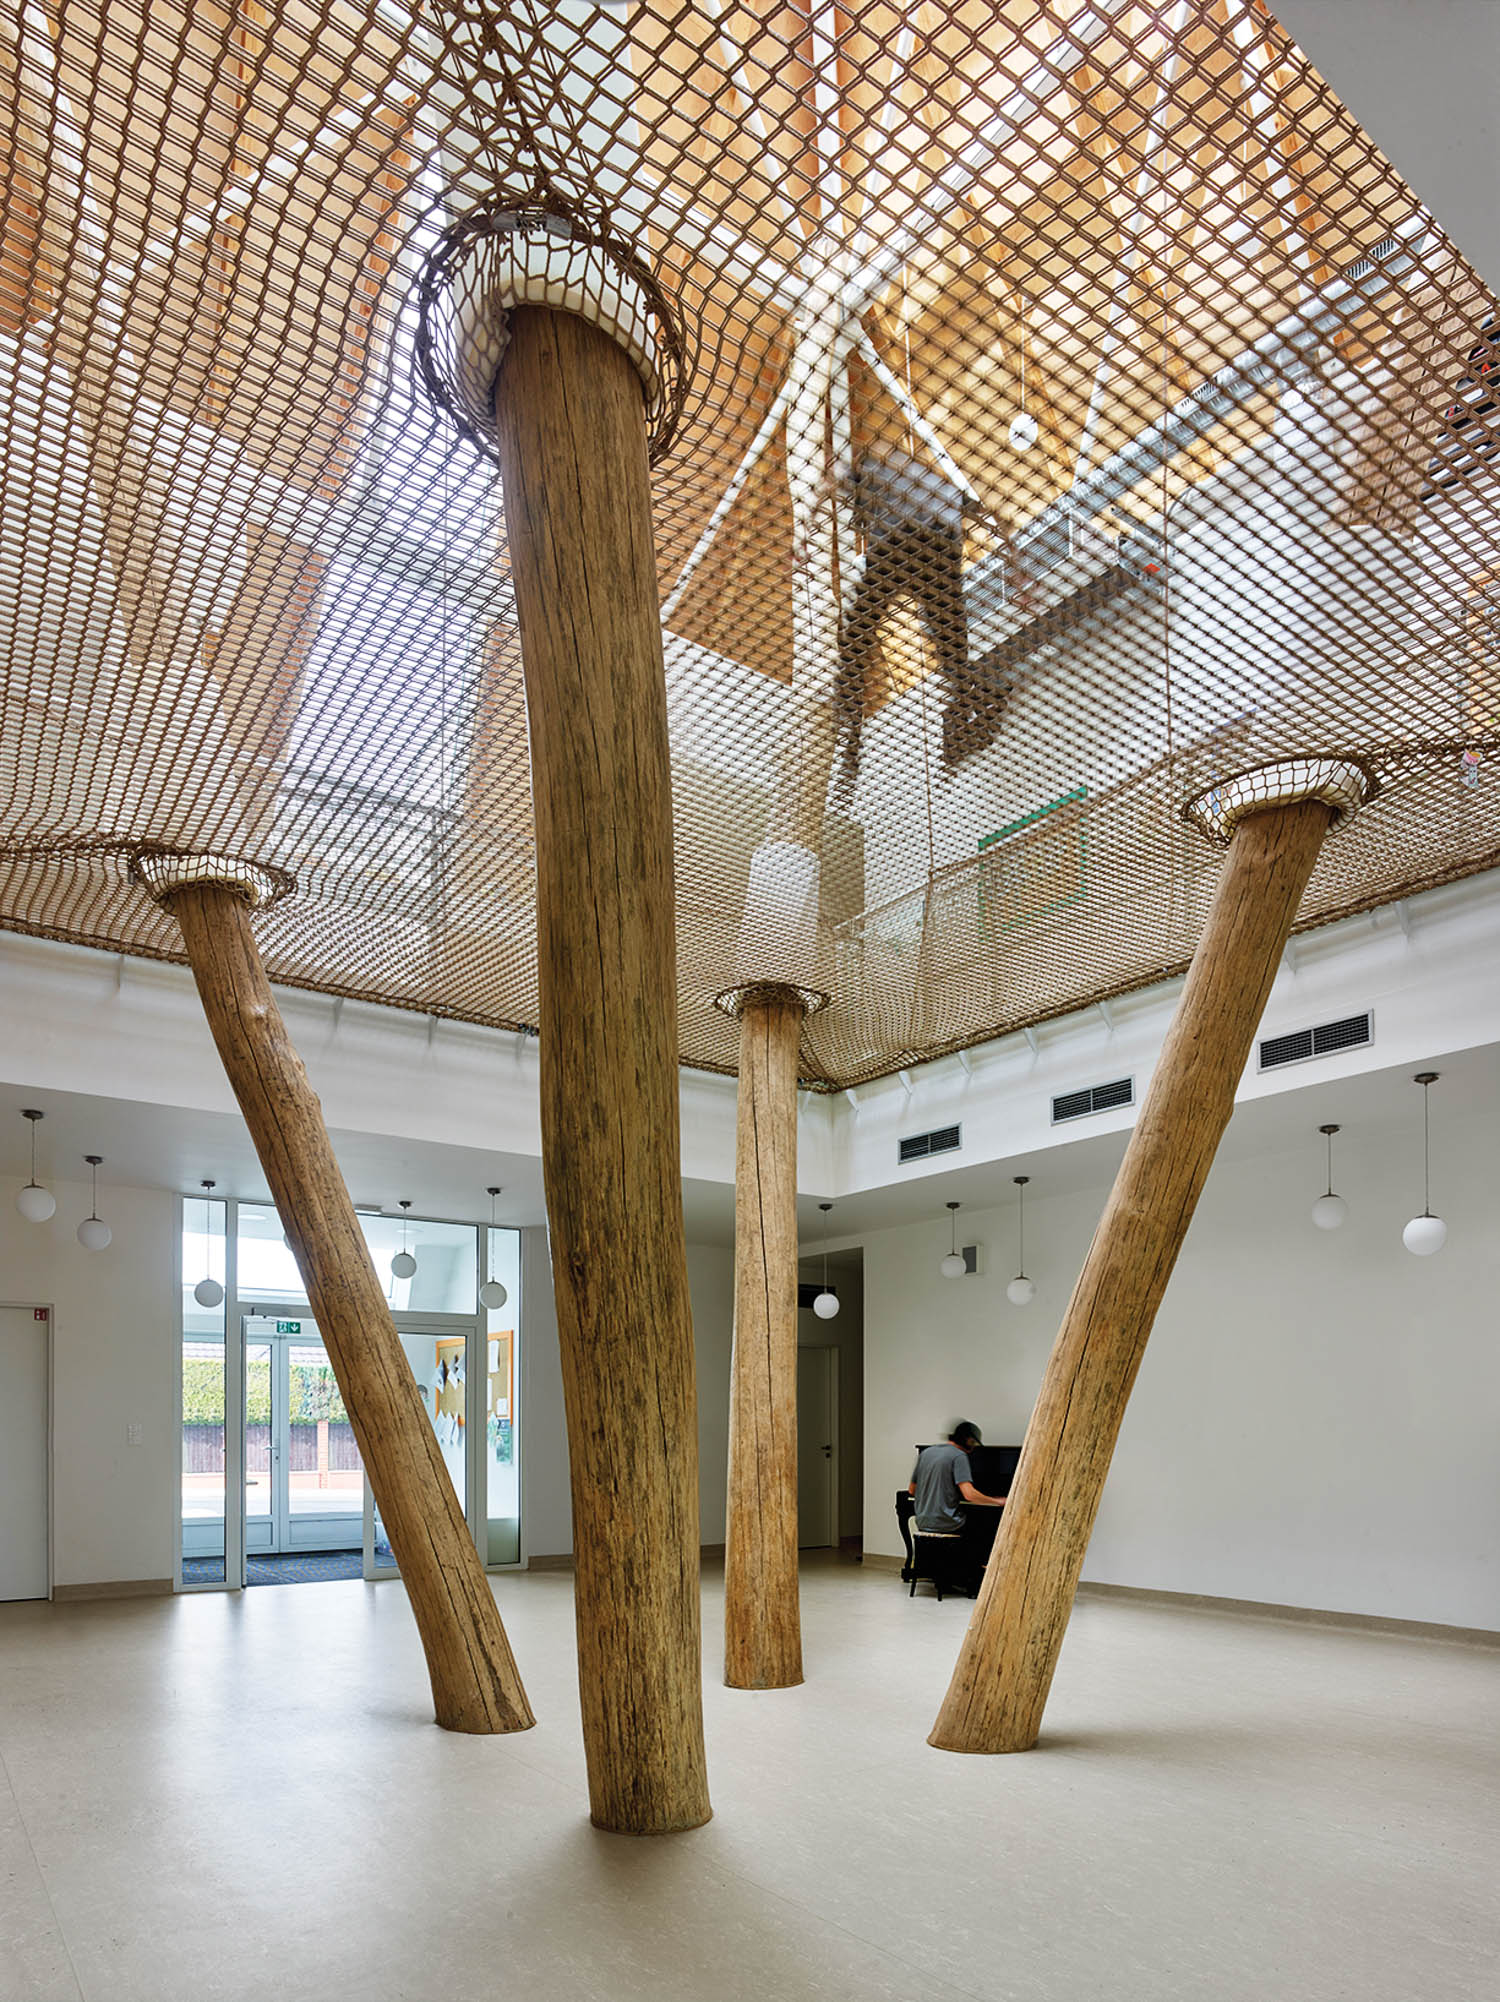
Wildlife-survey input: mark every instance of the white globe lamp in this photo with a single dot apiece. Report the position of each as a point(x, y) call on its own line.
point(1329, 1211)
point(1021, 1291)
point(492, 1293)
point(1424, 1235)
point(34, 1202)
point(825, 1303)
point(1024, 431)
point(93, 1233)
point(208, 1293)
point(952, 1265)
point(403, 1265)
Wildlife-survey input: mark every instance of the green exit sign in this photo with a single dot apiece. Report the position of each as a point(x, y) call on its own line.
point(288, 1327)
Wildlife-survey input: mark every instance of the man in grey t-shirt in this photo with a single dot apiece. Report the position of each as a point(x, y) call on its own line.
point(941, 1485)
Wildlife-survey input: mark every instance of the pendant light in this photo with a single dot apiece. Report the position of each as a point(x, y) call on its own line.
point(403, 1265)
point(1329, 1211)
point(1021, 1291)
point(94, 1233)
point(34, 1202)
point(1426, 1233)
point(826, 1303)
point(1024, 430)
point(491, 1293)
point(952, 1265)
point(208, 1292)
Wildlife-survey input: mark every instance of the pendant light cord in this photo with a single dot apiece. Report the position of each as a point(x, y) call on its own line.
point(1329, 1138)
point(1426, 1154)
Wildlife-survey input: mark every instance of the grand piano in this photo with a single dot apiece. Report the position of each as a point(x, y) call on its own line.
point(992, 1469)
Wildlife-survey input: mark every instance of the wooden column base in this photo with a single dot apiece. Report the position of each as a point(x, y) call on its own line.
point(475, 1685)
point(999, 1688)
point(762, 1621)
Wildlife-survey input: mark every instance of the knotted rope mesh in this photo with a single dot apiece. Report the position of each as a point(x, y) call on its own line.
point(1078, 413)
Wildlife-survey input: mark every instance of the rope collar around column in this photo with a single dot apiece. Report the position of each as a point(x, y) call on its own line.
point(160, 871)
point(734, 1000)
point(495, 259)
point(1343, 783)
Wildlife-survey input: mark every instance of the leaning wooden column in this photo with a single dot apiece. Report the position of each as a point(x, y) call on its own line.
point(999, 1687)
point(570, 421)
point(762, 1627)
point(475, 1686)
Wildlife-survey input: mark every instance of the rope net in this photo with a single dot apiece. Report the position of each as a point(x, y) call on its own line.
point(1072, 412)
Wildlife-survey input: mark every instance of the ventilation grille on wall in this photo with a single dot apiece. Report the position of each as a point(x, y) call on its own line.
point(917, 1146)
point(1093, 1098)
point(1346, 1034)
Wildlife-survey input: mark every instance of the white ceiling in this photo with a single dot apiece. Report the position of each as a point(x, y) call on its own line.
point(173, 1148)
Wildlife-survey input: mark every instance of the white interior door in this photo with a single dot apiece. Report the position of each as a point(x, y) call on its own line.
point(817, 1448)
point(23, 1453)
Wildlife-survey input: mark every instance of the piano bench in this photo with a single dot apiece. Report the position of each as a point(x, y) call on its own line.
point(934, 1555)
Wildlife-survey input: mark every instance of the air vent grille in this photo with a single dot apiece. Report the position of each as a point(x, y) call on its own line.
point(918, 1146)
point(1093, 1098)
point(1348, 1033)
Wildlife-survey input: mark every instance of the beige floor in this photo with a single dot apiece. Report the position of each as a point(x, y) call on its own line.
point(242, 1797)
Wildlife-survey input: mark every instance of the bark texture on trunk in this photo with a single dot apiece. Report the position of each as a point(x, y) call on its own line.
point(475, 1685)
point(570, 416)
point(762, 1621)
point(1005, 1665)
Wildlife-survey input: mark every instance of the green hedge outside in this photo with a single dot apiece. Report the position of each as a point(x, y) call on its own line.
point(314, 1393)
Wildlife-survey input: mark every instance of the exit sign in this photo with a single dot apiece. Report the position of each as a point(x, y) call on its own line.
point(288, 1327)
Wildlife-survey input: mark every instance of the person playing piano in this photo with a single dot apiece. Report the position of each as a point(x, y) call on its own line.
point(941, 1486)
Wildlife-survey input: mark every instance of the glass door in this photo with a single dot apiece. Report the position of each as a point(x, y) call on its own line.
point(325, 1477)
point(260, 1440)
point(304, 1479)
point(442, 1351)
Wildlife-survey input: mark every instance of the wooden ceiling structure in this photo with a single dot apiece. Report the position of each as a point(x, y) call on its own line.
point(1123, 404)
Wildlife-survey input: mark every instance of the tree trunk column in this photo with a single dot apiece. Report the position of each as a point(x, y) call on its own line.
point(570, 421)
point(762, 1624)
point(475, 1685)
point(999, 1687)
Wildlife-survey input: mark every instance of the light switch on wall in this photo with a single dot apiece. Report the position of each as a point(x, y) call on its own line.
point(132, 1435)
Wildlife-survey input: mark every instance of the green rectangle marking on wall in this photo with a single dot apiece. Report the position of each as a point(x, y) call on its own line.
point(1032, 868)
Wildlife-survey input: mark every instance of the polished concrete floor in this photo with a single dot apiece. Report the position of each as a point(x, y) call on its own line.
point(244, 1797)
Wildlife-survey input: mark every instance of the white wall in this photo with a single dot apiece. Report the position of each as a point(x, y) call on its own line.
point(845, 1332)
point(546, 1502)
point(1315, 1419)
point(546, 1505)
point(711, 1282)
point(115, 1350)
point(1429, 969)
